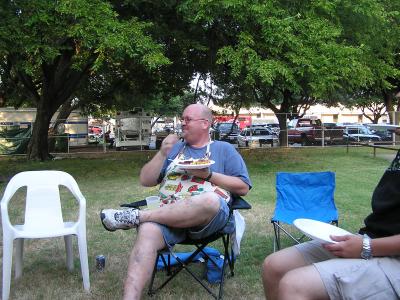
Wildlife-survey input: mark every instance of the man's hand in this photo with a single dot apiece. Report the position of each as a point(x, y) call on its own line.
point(348, 246)
point(168, 143)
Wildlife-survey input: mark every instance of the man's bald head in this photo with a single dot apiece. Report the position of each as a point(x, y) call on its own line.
point(203, 110)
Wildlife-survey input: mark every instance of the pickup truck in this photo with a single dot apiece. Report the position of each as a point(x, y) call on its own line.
point(226, 131)
point(312, 131)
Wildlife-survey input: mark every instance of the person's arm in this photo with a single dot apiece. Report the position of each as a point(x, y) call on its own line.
point(350, 246)
point(233, 184)
point(234, 169)
point(151, 171)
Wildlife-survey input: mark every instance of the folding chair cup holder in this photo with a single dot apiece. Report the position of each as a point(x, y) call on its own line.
point(307, 195)
point(200, 245)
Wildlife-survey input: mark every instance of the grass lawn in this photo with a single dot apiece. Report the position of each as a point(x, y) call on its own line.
point(112, 179)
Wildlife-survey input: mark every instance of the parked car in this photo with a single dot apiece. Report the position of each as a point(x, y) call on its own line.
point(309, 131)
point(359, 133)
point(95, 130)
point(257, 125)
point(226, 131)
point(274, 127)
point(257, 137)
point(385, 131)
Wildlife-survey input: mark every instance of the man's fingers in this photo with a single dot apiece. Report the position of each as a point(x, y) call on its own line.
point(339, 238)
point(332, 247)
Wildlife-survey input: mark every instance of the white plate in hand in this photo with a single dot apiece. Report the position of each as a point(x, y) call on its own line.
point(195, 166)
point(319, 231)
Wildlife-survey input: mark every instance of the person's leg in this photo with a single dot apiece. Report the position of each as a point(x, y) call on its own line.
point(142, 259)
point(302, 283)
point(275, 267)
point(195, 211)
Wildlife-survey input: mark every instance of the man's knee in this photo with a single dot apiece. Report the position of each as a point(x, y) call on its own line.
point(150, 234)
point(209, 202)
point(271, 267)
point(304, 283)
point(290, 284)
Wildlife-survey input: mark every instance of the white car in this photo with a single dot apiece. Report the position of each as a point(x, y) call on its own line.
point(359, 133)
point(257, 137)
point(274, 127)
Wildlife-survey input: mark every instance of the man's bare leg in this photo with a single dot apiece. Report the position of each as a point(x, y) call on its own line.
point(194, 211)
point(197, 210)
point(142, 259)
point(303, 283)
point(276, 265)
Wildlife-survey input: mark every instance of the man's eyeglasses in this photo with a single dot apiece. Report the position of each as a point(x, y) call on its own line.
point(188, 120)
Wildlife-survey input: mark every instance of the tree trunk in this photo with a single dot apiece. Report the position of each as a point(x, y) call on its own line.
point(283, 129)
point(281, 113)
point(282, 117)
point(388, 99)
point(62, 116)
point(38, 144)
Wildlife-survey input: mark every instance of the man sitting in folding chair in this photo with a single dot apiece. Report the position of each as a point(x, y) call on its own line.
point(195, 200)
point(371, 269)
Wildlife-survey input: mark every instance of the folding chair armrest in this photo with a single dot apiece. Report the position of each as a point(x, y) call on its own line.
point(238, 202)
point(135, 204)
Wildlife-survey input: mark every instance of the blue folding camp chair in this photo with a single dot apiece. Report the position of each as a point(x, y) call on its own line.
point(307, 195)
point(167, 255)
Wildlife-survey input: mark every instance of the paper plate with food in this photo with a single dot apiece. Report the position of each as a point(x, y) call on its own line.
point(193, 163)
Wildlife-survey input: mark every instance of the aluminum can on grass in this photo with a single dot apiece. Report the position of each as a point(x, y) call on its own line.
point(100, 263)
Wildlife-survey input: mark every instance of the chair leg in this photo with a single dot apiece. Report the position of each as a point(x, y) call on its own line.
point(7, 265)
point(183, 265)
point(69, 253)
point(19, 253)
point(227, 260)
point(84, 259)
point(221, 284)
point(277, 236)
point(151, 291)
point(229, 256)
point(232, 264)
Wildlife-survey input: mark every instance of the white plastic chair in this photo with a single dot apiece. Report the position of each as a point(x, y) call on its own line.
point(43, 219)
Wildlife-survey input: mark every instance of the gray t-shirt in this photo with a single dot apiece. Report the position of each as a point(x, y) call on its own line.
point(227, 160)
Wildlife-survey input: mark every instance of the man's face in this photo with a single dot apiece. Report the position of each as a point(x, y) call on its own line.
point(194, 125)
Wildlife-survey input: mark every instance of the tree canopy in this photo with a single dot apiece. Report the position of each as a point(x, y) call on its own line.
point(283, 55)
point(49, 48)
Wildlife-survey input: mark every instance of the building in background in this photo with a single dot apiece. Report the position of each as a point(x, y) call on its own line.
point(260, 115)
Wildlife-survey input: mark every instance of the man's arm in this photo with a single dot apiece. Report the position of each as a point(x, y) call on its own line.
point(233, 184)
point(151, 171)
point(350, 246)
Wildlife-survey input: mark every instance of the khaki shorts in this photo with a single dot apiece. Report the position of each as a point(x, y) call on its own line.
point(222, 221)
point(344, 278)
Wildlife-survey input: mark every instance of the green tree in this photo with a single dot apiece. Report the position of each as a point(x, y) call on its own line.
point(374, 26)
point(129, 84)
point(368, 103)
point(285, 52)
point(49, 48)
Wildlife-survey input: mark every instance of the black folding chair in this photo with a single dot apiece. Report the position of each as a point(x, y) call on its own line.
point(236, 202)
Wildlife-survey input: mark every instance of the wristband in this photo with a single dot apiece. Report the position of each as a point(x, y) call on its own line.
point(209, 176)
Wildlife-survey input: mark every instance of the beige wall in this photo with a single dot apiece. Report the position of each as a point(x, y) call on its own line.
point(326, 114)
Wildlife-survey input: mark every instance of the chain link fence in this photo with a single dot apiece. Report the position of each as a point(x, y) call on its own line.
point(71, 136)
